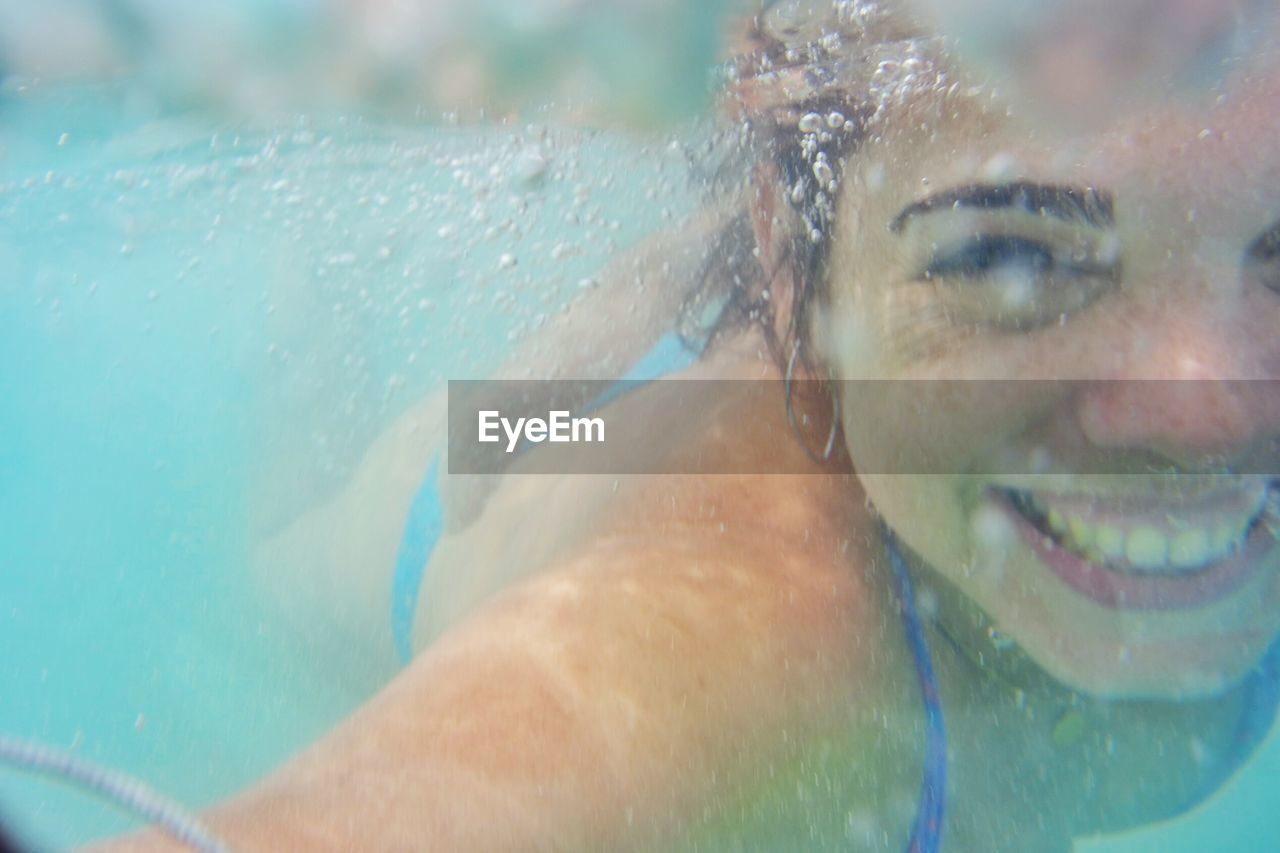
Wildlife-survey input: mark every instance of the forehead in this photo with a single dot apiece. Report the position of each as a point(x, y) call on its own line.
point(1217, 153)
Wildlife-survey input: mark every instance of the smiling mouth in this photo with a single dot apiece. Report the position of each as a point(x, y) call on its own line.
point(1138, 552)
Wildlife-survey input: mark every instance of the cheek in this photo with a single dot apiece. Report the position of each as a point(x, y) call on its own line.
point(946, 428)
point(931, 515)
point(851, 343)
point(851, 323)
point(927, 466)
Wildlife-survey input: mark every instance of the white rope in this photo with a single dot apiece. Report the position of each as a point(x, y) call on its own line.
point(118, 788)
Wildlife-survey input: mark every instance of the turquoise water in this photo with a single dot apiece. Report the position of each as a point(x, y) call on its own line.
point(204, 322)
point(204, 319)
point(128, 426)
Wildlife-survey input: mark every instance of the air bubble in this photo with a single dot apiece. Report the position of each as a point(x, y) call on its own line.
point(992, 531)
point(823, 172)
point(927, 602)
point(529, 167)
point(810, 123)
point(562, 250)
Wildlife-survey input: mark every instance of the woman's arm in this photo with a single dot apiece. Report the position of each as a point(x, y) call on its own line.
point(606, 703)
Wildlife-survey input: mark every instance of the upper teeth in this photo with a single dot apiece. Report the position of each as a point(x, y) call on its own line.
point(1174, 544)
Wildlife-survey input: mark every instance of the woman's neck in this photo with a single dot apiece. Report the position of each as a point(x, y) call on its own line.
point(1082, 763)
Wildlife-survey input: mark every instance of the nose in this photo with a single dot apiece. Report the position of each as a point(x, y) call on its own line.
point(1191, 386)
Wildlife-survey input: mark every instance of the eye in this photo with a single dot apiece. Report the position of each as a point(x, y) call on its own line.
point(1017, 282)
point(987, 255)
point(1262, 259)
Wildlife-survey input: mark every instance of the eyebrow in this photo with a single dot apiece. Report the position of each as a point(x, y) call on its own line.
point(1073, 204)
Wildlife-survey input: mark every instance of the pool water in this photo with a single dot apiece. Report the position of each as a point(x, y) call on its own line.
point(204, 322)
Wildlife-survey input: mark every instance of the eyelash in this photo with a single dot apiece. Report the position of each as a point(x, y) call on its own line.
point(988, 253)
point(1014, 282)
point(977, 257)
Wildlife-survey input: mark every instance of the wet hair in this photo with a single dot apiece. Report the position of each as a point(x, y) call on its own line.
point(809, 83)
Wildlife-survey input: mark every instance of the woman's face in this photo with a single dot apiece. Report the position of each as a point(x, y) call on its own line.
point(1114, 514)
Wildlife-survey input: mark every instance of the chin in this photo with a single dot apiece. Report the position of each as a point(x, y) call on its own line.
point(1163, 671)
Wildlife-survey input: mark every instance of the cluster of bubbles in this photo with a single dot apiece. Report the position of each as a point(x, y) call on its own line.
point(815, 192)
point(348, 265)
point(821, 76)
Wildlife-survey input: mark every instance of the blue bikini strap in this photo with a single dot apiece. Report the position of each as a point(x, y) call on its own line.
point(421, 532)
point(425, 522)
point(926, 833)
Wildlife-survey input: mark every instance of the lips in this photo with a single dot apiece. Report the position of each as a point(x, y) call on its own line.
point(1150, 552)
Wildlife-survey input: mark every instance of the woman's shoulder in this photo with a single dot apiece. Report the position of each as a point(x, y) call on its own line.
point(711, 498)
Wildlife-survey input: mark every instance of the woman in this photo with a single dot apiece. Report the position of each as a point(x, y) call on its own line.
point(1049, 595)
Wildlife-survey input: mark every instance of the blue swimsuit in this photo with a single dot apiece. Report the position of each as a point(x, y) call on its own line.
point(425, 524)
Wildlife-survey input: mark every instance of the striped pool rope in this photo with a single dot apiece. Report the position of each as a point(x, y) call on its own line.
point(115, 787)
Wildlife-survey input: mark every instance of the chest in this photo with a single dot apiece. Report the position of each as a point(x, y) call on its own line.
point(1052, 768)
point(1023, 772)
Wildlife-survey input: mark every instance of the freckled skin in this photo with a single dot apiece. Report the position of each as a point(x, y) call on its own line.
point(1175, 314)
point(698, 661)
point(606, 700)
